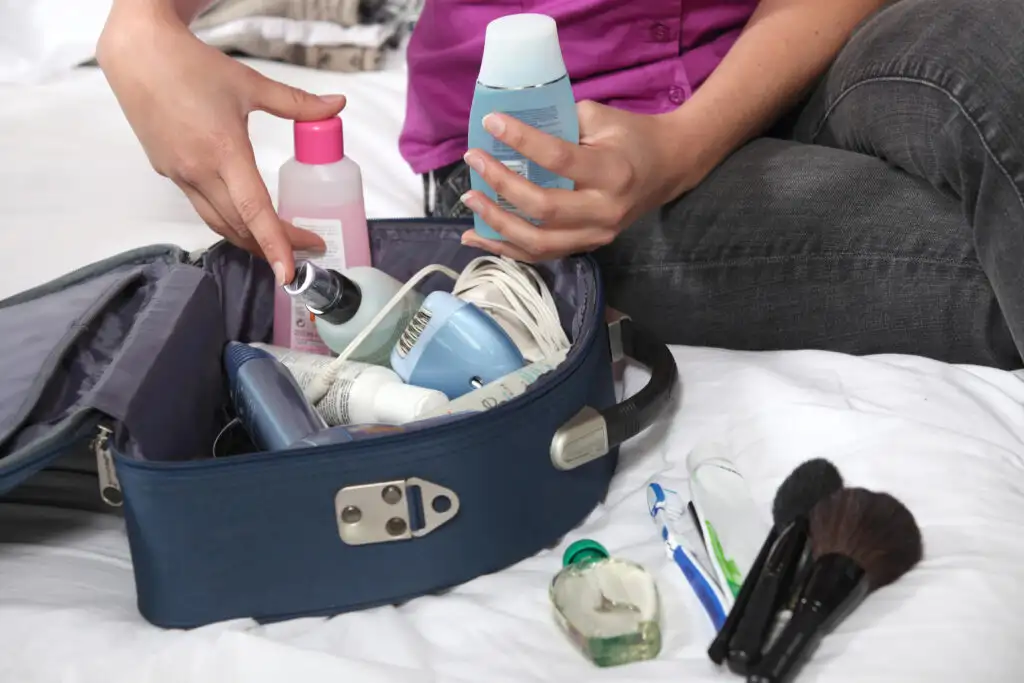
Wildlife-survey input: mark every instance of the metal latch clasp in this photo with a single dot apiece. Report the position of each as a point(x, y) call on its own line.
point(392, 510)
point(110, 487)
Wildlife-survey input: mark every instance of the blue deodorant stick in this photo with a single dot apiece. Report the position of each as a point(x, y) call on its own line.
point(523, 75)
point(267, 400)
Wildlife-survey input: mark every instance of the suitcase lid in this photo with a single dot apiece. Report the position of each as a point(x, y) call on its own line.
point(75, 353)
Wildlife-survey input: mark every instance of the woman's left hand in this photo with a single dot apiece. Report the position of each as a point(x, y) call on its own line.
point(625, 165)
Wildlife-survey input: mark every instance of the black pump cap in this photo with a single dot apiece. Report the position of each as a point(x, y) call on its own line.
point(326, 293)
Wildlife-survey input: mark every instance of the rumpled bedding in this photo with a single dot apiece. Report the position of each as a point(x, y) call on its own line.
point(332, 35)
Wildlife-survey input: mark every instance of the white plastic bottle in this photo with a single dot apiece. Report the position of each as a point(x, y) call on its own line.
point(344, 304)
point(320, 190)
point(730, 519)
point(361, 393)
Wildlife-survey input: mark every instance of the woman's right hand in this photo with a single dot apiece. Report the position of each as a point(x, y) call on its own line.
point(188, 104)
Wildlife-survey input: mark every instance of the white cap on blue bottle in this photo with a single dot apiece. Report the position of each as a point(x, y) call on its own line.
point(521, 51)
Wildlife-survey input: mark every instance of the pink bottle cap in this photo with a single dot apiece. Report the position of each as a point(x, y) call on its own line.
point(319, 142)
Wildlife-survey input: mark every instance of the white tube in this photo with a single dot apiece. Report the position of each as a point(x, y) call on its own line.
point(361, 393)
point(731, 521)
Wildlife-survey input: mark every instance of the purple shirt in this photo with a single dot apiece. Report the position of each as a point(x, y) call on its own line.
point(644, 56)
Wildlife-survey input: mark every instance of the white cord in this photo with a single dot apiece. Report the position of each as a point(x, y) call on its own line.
point(518, 299)
point(510, 292)
point(224, 430)
point(321, 384)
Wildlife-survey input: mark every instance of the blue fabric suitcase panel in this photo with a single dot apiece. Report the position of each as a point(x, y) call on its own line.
point(134, 343)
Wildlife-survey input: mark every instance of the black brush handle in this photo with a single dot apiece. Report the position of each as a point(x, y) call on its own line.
point(696, 520)
point(720, 645)
point(802, 635)
point(834, 588)
point(770, 591)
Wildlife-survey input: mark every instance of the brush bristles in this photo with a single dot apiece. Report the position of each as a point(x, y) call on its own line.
point(873, 529)
point(805, 486)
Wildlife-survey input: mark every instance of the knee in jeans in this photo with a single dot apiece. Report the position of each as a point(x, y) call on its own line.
point(957, 34)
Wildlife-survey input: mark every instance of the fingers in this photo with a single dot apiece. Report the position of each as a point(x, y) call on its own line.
point(212, 217)
point(294, 104)
point(555, 154)
point(527, 242)
point(250, 199)
point(547, 205)
point(304, 240)
point(211, 211)
point(216, 193)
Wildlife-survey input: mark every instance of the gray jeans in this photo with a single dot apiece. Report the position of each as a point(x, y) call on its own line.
point(887, 217)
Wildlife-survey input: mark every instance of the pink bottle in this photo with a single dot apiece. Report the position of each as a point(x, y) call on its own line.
point(320, 190)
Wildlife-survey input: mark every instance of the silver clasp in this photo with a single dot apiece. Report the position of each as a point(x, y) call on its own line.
point(392, 510)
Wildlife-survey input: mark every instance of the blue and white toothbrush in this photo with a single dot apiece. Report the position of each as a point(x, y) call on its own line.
point(666, 507)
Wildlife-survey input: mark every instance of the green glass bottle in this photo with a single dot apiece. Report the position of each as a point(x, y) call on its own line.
point(609, 607)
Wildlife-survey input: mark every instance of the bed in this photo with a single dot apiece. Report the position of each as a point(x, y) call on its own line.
point(947, 440)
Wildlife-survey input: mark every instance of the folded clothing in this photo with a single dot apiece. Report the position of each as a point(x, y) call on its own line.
point(334, 35)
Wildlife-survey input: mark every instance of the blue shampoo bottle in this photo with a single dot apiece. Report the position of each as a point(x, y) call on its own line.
point(522, 74)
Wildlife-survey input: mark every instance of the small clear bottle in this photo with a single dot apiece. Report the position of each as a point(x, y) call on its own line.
point(609, 607)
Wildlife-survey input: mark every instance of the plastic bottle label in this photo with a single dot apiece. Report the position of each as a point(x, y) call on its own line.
point(303, 369)
point(334, 407)
point(544, 119)
point(330, 231)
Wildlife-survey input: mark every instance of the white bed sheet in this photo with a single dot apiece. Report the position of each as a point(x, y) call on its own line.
point(949, 441)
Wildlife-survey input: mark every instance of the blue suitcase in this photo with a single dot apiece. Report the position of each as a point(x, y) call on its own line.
point(118, 365)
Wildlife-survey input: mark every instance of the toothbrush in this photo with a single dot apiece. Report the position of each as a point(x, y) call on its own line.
point(662, 512)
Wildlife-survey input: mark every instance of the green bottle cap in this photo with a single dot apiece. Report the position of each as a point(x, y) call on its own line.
point(583, 550)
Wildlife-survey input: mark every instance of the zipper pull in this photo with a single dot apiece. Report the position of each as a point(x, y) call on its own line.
point(110, 487)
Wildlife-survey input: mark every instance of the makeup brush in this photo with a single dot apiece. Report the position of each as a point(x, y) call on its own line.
point(809, 483)
point(861, 541)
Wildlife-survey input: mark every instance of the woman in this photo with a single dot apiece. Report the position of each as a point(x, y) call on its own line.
point(754, 177)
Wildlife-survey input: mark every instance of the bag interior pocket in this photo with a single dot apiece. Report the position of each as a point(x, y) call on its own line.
point(98, 344)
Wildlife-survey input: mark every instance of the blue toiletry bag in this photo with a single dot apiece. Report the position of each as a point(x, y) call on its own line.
point(112, 394)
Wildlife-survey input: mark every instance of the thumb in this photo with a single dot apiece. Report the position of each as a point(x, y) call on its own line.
point(293, 104)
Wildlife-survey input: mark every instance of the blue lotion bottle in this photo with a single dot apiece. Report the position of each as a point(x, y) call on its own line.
point(523, 75)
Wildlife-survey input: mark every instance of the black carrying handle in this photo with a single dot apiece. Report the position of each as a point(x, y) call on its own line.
point(591, 433)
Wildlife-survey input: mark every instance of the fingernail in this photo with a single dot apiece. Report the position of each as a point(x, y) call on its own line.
point(333, 100)
point(475, 161)
point(278, 273)
point(470, 200)
point(494, 125)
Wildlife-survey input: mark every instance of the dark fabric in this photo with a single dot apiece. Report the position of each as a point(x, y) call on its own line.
point(889, 218)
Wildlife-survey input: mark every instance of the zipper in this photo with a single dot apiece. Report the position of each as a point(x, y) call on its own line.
point(110, 487)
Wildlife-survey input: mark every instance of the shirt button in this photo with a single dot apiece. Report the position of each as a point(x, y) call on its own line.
point(676, 95)
point(661, 33)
